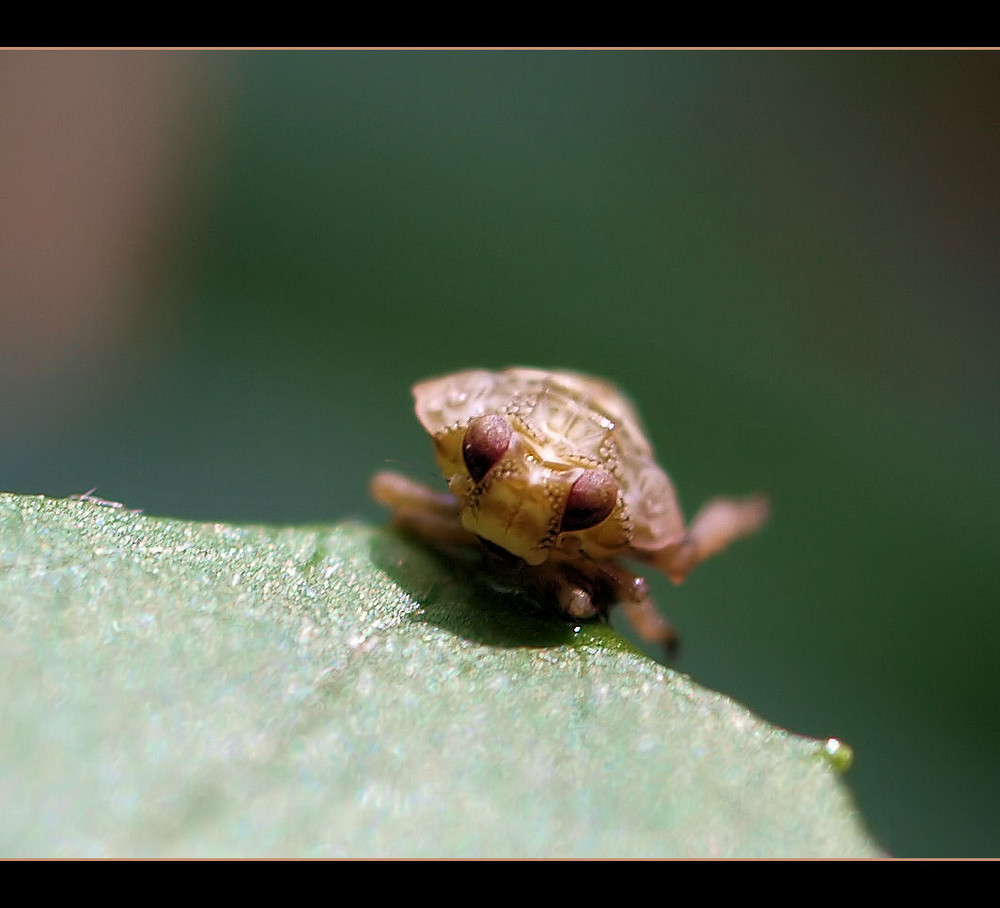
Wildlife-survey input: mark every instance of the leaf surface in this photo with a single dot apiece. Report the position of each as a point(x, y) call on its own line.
point(182, 689)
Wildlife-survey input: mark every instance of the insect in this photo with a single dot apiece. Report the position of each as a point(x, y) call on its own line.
point(551, 475)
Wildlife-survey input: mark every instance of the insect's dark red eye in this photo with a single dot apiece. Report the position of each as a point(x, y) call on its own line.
point(486, 441)
point(591, 500)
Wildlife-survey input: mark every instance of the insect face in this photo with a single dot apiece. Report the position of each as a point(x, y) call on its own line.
point(513, 496)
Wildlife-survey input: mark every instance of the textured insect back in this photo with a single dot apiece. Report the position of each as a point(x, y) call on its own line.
point(446, 403)
point(655, 515)
point(567, 428)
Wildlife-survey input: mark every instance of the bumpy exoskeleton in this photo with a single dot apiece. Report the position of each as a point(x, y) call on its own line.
point(552, 475)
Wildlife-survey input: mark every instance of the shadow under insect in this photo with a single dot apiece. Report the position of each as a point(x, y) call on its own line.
point(478, 595)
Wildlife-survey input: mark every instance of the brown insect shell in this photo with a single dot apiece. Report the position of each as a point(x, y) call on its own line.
point(571, 422)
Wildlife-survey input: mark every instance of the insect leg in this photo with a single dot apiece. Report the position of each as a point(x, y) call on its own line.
point(717, 524)
point(631, 593)
point(417, 509)
point(396, 491)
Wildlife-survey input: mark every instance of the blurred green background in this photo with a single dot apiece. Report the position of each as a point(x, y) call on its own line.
point(220, 273)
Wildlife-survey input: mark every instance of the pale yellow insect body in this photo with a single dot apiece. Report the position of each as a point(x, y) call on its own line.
point(563, 424)
point(553, 469)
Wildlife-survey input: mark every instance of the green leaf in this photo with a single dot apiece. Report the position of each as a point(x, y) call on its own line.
point(181, 689)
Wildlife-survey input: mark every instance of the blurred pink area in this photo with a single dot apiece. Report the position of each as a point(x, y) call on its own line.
point(91, 151)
